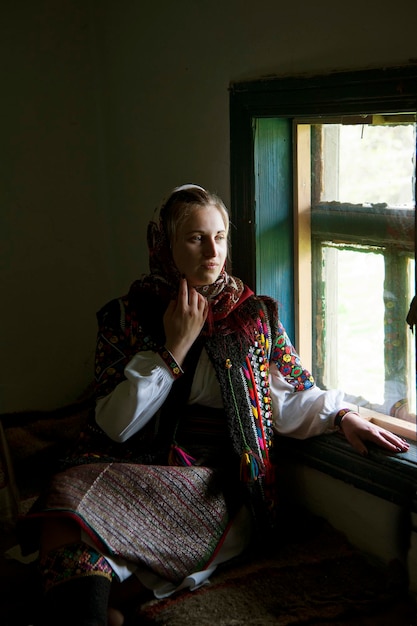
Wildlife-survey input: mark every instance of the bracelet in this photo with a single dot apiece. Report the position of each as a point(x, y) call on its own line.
point(170, 362)
point(339, 417)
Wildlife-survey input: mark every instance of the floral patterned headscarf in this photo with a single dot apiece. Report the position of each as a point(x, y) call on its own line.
point(224, 295)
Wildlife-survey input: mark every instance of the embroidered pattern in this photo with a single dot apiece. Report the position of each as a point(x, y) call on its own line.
point(73, 561)
point(170, 362)
point(120, 336)
point(288, 362)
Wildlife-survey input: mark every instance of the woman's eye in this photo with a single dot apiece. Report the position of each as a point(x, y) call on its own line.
point(199, 238)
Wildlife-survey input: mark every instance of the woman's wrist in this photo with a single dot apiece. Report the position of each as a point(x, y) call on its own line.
point(340, 416)
point(174, 367)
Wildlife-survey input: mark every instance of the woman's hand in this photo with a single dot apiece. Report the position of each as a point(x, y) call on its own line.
point(358, 431)
point(183, 321)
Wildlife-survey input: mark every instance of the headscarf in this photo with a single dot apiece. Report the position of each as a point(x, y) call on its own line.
point(224, 296)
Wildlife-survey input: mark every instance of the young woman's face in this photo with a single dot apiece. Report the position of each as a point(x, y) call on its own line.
point(200, 247)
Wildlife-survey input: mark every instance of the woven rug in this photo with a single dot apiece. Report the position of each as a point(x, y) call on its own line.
point(316, 579)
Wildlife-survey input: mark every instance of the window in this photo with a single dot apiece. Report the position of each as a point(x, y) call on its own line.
point(361, 202)
point(337, 152)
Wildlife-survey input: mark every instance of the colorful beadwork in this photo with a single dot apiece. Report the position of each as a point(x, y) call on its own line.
point(170, 362)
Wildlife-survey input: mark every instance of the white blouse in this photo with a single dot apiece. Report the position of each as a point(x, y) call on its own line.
point(122, 413)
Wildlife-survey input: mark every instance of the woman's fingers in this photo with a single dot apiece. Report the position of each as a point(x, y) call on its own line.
point(183, 293)
point(393, 440)
point(191, 302)
point(184, 319)
point(358, 431)
point(197, 303)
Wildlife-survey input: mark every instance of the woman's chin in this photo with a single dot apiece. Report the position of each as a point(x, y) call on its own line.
point(202, 280)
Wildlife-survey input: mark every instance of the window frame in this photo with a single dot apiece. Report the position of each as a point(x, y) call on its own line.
point(319, 225)
point(391, 90)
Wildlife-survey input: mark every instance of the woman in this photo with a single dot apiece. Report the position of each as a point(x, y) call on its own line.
point(194, 376)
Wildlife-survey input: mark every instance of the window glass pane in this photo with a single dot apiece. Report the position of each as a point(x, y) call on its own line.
point(363, 202)
point(369, 164)
point(369, 351)
point(356, 339)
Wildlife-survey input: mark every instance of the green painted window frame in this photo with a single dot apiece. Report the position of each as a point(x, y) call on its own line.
point(391, 90)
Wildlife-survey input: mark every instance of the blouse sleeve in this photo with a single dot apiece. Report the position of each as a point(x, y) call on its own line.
point(300, 408)
point(134, 401)
point(132, 378)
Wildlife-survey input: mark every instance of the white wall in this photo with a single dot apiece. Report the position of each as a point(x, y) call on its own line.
point(105, 107)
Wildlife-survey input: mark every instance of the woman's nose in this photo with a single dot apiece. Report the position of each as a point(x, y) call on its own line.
point(210, 248)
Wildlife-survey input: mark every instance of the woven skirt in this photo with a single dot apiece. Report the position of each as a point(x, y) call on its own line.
point(171, 520)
